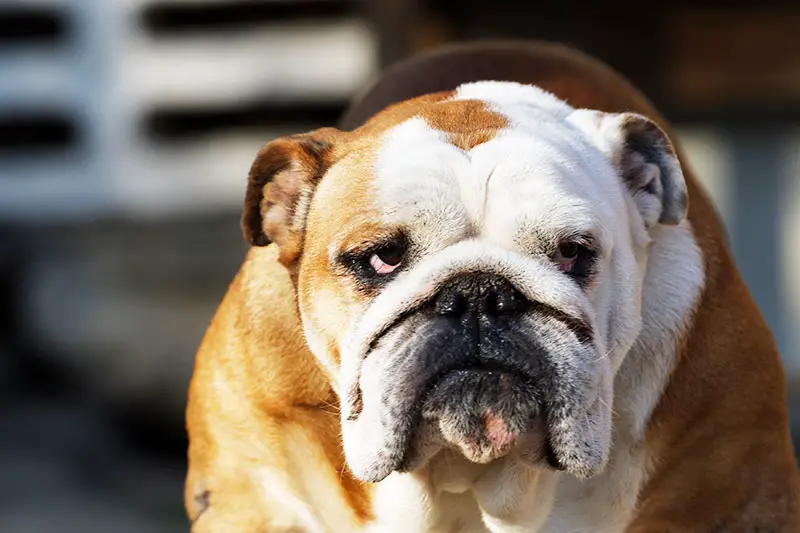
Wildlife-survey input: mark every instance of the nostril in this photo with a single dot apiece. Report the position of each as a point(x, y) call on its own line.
point(451, 303)
point(506, 302)
point(481, 295)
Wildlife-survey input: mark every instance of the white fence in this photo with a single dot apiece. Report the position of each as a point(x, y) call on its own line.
point(108, 73)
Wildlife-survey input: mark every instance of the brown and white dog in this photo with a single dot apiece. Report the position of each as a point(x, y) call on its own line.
point(493, 306)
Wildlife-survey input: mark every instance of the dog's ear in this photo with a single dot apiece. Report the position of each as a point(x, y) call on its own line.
point(281, 185)
point(645, 159)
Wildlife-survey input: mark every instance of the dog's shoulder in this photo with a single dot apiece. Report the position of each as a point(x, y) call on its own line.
point(262, 419)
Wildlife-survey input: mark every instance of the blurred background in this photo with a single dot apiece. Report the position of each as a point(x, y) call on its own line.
point(126, 131)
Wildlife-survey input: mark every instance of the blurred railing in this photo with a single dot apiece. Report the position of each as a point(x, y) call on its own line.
point(149, 107)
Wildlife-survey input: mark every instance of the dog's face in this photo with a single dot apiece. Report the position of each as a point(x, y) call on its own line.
point(469, 270)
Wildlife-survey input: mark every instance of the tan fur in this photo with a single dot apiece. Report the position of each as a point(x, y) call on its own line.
point(260, 405)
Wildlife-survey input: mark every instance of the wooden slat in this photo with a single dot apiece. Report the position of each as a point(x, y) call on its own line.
point(177, 124)
point(21, 25)
point(298, 60)
point(33, 132)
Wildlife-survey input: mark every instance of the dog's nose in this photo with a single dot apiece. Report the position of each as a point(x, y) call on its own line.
point(480, 294)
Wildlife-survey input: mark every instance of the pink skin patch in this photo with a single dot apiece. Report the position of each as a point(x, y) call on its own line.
point(566, 265)
point(567, 255)
point(497, 432)
point(381, 267)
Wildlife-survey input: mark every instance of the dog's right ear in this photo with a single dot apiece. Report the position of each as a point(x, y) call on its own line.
point(646, 161)
point(282, 182)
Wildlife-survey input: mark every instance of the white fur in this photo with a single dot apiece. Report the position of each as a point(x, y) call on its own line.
point(516, 95)
point(674, 279)
point(489, 208)
point(419, 502)
point(294, 512)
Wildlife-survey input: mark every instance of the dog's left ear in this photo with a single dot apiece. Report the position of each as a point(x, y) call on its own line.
point(280, 187)
point(645, 159)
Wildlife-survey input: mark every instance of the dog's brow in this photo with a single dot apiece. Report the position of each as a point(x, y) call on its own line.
point(486, 192)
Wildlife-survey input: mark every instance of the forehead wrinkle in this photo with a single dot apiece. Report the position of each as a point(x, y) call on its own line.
point(507, 141)
point(587, 172)
point(541, 187)
point(463, 125)
point(474, 189)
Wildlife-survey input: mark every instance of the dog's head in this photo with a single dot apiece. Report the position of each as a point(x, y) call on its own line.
point(469, 269)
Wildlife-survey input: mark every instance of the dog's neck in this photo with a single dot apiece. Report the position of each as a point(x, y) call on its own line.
point(446, 493)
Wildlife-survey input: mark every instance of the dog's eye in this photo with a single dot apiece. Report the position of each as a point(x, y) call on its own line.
point(371, 264)
point(387, 258)
point(567, 255)
point(577, 257)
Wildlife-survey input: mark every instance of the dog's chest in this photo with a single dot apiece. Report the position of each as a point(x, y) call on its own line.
point(438, 504)
point(406, 507)
point(435, 500)
point(603, 504)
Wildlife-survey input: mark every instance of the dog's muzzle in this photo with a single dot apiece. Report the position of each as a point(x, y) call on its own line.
point(476, 368)
point(486, 403)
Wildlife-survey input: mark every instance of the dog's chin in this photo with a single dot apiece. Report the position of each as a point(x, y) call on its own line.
point(484, 414)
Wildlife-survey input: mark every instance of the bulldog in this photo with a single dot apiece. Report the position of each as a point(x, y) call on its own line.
point(495, 300)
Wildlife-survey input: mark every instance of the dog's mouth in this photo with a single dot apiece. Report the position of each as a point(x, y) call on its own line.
point(427, 387)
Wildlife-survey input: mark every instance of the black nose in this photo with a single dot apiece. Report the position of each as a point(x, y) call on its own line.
point(480, 294)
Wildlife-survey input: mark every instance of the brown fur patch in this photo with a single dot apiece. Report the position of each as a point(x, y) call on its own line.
point(467, 123)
